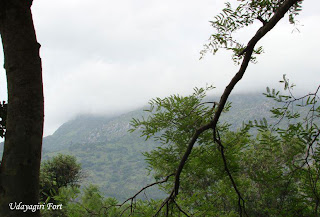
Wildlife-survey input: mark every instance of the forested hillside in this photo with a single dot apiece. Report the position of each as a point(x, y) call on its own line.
point(109, 155)
point(112, 157)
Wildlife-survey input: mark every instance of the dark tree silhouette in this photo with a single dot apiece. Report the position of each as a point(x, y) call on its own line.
point(19, 170)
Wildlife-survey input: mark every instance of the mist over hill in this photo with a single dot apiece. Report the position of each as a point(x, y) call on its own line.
point(93, 128)
point(112, 157)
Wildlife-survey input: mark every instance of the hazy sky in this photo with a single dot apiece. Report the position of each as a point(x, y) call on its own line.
point(103, 56)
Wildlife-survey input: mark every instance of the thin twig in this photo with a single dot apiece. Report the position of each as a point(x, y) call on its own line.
point(148, 186)
point(241, 205)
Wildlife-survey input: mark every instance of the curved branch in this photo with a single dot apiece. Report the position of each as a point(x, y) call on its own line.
point(186, 155)
point(247, 56)
point(249, 49)
point(241, 205)
point(148, 186)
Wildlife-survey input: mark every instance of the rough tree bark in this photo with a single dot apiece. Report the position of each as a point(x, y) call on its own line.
point(19, 170)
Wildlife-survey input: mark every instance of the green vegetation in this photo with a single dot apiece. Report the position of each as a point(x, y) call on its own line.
point(60, 171)
point(275, 168)
point(206, 164)
point(112, 158)
point(59, 176)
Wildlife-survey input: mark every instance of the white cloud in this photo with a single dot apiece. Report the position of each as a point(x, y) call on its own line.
point(104, 56)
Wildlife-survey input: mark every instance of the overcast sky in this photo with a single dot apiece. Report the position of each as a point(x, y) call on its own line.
point(105, 57)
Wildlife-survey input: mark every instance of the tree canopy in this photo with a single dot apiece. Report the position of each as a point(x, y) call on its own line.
point(273, 166)
point(60, 171)
point(269, 13)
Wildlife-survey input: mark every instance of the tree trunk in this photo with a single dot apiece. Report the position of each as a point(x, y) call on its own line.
point(19, 170)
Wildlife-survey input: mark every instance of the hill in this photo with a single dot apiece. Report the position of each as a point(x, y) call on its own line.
point(112, 157)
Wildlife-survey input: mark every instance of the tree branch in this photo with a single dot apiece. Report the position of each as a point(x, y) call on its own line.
point(226, 168)
point(247, 56)
point(148, 186)
point(264, 22)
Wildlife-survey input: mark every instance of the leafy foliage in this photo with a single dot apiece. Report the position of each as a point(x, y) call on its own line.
point(109, 155)
point(270, 168)
point(217, 159)
point(230, 20)
point(117, 165)
point(60, 171)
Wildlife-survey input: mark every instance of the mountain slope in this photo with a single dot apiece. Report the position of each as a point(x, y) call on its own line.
point(112, 158)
